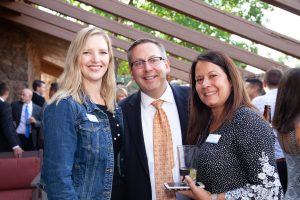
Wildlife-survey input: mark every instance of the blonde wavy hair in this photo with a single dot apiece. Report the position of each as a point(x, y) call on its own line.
point(70, 81)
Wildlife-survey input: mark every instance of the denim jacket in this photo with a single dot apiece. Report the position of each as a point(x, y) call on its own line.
point(78, 152)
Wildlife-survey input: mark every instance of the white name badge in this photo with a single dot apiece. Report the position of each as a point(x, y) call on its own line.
point(213, 138)
point(92, 118)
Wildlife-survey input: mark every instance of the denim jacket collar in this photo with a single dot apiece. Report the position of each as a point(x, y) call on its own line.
point(86, 101)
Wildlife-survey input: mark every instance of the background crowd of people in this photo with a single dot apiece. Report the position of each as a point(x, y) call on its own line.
point(101, 143)
point(22, 119)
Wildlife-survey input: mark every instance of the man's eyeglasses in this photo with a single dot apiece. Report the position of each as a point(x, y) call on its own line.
point(154, 61)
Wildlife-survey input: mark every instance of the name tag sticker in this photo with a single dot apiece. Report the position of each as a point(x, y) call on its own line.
point(92, 118)
point(213, 138)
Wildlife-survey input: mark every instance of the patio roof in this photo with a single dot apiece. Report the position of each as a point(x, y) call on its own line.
point(27, 14)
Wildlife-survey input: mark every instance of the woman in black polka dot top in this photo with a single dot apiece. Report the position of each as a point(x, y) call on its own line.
point(236, 146)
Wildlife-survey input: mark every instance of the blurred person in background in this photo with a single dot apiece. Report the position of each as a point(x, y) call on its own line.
point(121, 94)
point(8, 136)
point(286, 121)
point(39, 88)
point(27, 118)
point(254, 87)
point(53, 89)
point(271, 81)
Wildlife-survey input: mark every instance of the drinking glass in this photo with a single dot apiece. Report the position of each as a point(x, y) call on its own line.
point(187, 155)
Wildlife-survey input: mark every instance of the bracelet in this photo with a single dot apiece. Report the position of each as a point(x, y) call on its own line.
point(214, 197)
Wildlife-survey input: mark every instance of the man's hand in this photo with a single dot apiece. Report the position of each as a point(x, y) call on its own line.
point(18, 152)
point(32, 120)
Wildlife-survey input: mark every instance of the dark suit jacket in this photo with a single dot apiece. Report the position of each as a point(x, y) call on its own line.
point(36, 113)
point(137, 172)
point(8, 135)
point(38, 99)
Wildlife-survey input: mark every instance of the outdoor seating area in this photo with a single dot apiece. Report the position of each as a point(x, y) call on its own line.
point(19, 176)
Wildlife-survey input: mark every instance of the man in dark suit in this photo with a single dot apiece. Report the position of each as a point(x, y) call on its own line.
point(19, 109)
point(8, 137)
point(39, 88)
point(149, 68)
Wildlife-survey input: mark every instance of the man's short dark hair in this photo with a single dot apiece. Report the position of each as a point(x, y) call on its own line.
point(256, 82)
point(3, 88)
point(272, 77)
point(53, 87)
point(143, 41)
point(37, 83)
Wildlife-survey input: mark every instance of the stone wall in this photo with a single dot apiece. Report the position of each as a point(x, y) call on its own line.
point(23, 52)
point(13, 58)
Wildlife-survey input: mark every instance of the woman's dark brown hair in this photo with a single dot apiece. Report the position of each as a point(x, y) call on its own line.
point(199, 113)
point(287, 108)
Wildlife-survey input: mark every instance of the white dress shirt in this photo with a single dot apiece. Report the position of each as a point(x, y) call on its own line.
point(21, 127)
point(147, 114)
point(269, 99)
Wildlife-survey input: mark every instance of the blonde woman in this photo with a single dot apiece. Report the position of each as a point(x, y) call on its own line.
point(287, 122)
point(121, 94)
point(83, 127)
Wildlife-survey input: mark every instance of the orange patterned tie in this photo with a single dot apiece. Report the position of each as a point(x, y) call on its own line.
point(163, 152)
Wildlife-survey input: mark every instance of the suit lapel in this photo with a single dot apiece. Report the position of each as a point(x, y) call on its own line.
point(19, 112)
point(134, 110)
point(34, 113)
point(181, 99)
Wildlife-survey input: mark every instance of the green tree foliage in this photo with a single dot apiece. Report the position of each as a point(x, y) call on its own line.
point(123, 67)
point(251, 10)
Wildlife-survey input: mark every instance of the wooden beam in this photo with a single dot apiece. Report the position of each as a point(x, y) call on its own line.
point(179, 68)
point(180, 75)
point(161, 25)
point(54, 59)
point(182, 32)
point(50, 19)
point(114, 27)
point(41, 26)
point(288, 5)
point(44, 22)
point(231, 23)
point(55, 20)
point(51, 68)
point(41, 15)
